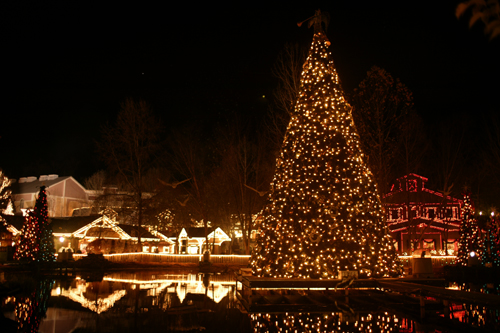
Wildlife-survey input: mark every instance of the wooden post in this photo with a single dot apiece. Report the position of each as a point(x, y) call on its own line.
point(422, 306)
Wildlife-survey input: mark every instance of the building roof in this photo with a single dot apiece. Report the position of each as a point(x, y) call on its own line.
point(425, 196)
point(412, 188)
point(131, 230)
point(22, 187)
point(17, 221)
point(198, 232)
point(71, 224)
point(3, 228)
point(452, 225)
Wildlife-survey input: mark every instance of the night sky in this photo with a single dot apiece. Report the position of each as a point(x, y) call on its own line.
point(67, 67)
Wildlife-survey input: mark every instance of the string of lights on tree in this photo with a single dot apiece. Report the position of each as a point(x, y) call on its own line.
point(36, 242)
point(491, 243)
point(324, 214)
point(469, 232)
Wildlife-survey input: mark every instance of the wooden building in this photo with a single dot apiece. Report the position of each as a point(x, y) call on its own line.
point(421, 217)
point(64, 194)
point(102, 234)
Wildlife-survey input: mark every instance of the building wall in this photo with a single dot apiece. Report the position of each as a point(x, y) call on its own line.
point(62, 198)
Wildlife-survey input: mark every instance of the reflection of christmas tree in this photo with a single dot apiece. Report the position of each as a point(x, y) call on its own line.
point(324, 214)
point(490, 255)
point(468, 232)
point(326, 322)
point(36, 242)
point(31, 310)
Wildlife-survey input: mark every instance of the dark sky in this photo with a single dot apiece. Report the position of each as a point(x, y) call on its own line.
point(67, 67)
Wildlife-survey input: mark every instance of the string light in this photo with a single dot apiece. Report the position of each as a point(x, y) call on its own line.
point(36, 242)
point(324, 214)
point(490, 246)
point(469, 232)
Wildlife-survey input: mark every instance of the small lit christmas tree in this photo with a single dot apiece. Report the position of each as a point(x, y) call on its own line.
point(324, 214)
point(469, 232)
point(28, 244)
point(36, 242)
point(490, 255)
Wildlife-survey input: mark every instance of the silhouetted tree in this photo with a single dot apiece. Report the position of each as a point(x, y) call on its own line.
point(130, 149)
point(380, 105)
point(245, 172)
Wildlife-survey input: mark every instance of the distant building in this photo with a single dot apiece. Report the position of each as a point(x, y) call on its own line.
point(429, 218)
point(64, 194)
point(193, 241)
point(102, 234)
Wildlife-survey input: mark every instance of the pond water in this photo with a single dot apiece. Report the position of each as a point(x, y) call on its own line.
point(184, 301)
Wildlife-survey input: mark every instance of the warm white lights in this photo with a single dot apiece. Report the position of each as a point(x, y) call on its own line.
point(324, 215)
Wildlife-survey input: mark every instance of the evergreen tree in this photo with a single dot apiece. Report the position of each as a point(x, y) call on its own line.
point(381, 105)
point(324, 214)
point(47, 247)
point(491, 244)
point(28, 244)
point(36, 242)
point(469, 232)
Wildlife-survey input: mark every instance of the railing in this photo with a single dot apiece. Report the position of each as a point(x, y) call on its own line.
point(437, 261)
point(173, 258)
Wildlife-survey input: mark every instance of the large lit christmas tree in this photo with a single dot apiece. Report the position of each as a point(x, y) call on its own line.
point(324, 214)
point(469, 232)
point(36, 242)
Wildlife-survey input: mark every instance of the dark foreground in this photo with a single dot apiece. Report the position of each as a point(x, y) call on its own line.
point(183, 299)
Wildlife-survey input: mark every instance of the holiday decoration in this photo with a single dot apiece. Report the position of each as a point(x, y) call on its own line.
point(36, 242)
point(469, 232)
point(28, 244)
point(491, 244)
point(324, 215)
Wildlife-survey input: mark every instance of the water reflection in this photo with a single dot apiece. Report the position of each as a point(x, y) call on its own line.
point(128, 302)
point(31, 306)
point(329, 322)
point(189, 302)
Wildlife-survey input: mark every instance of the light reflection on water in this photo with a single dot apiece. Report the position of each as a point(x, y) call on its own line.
point(173, 302)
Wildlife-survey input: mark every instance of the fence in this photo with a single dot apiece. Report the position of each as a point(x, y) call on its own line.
point(437, 261)
point(173, 258)
point(243, 260)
